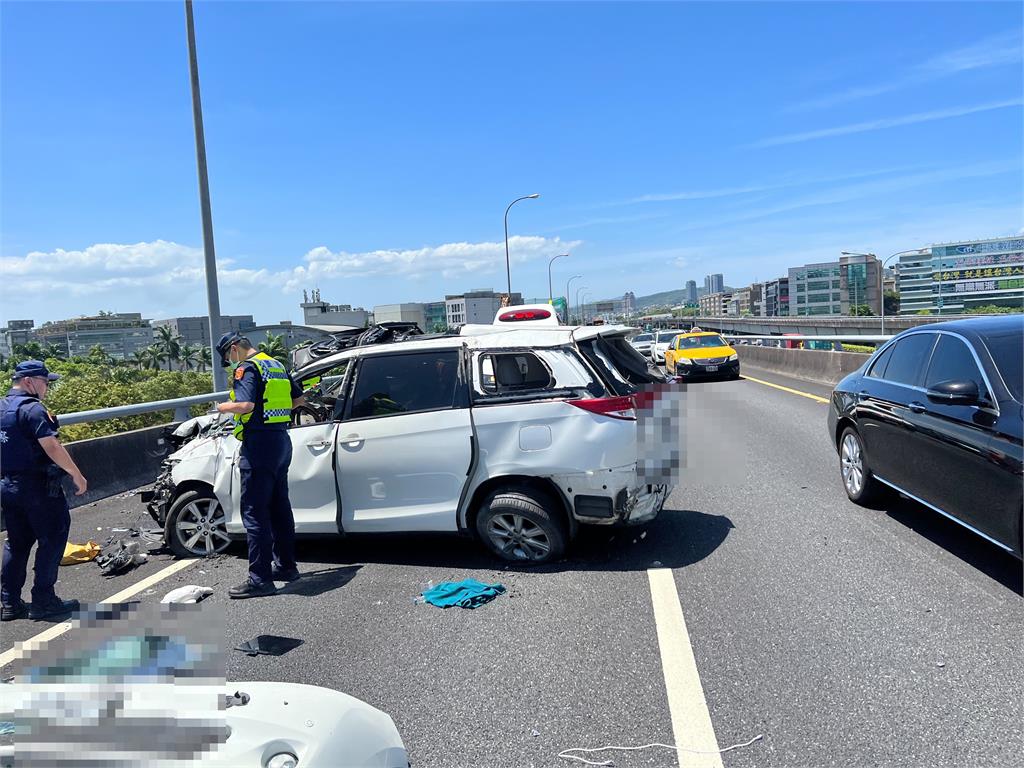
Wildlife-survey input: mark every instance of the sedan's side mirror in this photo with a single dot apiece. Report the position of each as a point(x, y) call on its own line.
point(955, 392)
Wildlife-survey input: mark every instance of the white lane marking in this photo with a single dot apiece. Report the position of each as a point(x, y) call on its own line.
point(691, 721)
point(20, 649)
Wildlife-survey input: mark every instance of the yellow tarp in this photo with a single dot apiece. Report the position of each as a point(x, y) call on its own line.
point(79, 553)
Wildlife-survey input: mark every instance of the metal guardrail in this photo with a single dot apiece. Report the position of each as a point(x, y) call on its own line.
point(179, 405)
point(801, 337)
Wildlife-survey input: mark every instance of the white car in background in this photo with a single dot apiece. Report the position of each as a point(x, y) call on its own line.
point(515, 437)
point(662, 341)
point(642, 343)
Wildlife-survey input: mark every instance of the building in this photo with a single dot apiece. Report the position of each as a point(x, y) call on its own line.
point(476, 307)
point(776, 298)
point(715, 304)
point(402, 313)
point(16, 332)
point(435, 315)
point(954, 277)
point(319, 313)
point(120, 335)
point(860, 283)
point(690, 293)
point(714, 284)
point(194, 331)
point(815, 289)
point(629, 304)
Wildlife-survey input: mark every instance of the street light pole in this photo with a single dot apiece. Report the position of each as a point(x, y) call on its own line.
point(579, 308)
point(551, 295)
point(508, 268)
point(586, 296)
point(568, 316)
point(210, 257)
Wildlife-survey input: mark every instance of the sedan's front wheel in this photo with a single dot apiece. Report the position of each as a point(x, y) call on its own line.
point(861, 485)
point(195, 525)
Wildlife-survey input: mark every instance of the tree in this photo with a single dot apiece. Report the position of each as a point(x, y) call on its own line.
point(861, 310)
point(439, 327)
point(169, 343)
point(924, 311)
point(274, 346)
point(155, 356)
point(54, 351)
point(991, 309)
point(190, 356)
point(204, 359)
point(140, 359)
point(98, 355)
point(892, 302)
point(31, 350)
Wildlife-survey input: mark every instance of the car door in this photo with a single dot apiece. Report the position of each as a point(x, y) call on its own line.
point(952, 468)
point(405, 447)
point(882, 408)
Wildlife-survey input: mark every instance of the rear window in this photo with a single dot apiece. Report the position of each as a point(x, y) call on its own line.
point(667, 336)
point(1008, 353)
point(514, 372)
point(643, 337)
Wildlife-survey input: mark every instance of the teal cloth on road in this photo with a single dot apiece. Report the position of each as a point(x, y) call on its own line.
point(468, 593)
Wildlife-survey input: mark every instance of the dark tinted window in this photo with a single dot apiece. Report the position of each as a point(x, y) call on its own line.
point(514, 372)
point(877, 369)
point(953, 361)
point(908, 359)
point(391, 384)
point(1008, 353)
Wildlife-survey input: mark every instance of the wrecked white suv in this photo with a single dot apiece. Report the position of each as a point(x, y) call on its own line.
point(514, 436)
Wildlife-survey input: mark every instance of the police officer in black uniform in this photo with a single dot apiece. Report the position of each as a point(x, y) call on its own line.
point(32, 464)
point(262, 422)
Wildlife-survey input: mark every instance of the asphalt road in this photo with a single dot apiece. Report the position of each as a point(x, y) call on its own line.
point(846, 636)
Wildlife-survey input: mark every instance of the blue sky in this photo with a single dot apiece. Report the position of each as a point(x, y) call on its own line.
point(370, 149)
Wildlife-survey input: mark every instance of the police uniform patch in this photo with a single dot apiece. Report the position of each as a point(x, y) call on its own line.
point(239, 373)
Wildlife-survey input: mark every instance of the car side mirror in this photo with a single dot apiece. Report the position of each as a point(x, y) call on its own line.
point(955, 392)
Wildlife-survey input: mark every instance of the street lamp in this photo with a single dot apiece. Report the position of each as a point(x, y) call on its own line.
point(586, 296)
point(551, 295)
point(885, 261)
point(579, 309)
point(568, 317)
point(508, 269)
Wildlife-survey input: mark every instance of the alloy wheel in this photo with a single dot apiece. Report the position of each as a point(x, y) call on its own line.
point(518, 536)
point(200, 528)
point(852, 465)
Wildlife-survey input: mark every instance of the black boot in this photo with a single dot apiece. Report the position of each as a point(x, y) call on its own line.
point(248, 589)
point(55, 607)
point(13, 612)
point(283, 574)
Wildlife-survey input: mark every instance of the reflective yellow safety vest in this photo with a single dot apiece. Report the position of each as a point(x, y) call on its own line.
point(277, 393)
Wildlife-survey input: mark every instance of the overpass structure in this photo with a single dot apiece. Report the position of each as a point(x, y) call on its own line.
point(814, 326)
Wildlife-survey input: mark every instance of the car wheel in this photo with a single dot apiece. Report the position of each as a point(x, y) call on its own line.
point(861, 485)
point(195, 525)
point(518, 526)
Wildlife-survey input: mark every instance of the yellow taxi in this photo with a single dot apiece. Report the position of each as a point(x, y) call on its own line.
point(699, 354)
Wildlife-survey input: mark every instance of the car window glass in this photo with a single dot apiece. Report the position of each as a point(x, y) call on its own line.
point(953, 361)
point(908, 359)
point(1007, 351)
point(323, 394)
point(387, 385)
point(513, 372)
point(881, 360)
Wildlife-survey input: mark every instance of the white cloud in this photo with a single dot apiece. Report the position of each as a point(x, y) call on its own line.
point(889, 122)
point(995, 51)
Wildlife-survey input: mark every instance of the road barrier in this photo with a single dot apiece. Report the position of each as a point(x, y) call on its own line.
point(821, 366)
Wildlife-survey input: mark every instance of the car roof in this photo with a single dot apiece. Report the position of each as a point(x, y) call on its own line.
point(701, 333)
point(987, 325)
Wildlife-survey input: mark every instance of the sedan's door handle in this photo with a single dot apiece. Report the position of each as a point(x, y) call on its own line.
point(917, 407)
point(319, 444)
point(351, 439)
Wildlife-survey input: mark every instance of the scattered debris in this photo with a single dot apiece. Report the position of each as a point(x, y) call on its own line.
point(656, 564)
point(121, 558)
point(535, 733)
point(468, 593)
point(268, 645)
point(940, 664)
point(565, 754)
point(190, 593)
point(80, 553)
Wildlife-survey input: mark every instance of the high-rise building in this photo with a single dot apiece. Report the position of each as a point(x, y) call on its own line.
point(690, 294)
point(814, 289)
point(17, 332)
point(714, 283)
point(194, 331)
point(715, 304)
point(776, 298)
point(954, 277)
point(120, 335)
point(435, 315)
point(860, 283)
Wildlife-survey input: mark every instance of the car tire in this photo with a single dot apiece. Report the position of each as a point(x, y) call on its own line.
point(520, 526)
point(860, 484)
point(195, 525)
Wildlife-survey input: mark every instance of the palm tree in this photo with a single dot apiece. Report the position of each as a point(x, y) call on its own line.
point(140, 359)
point(204, 358)
point(155, 356)
point(55, 351)
point(169, 343)
point(274, 346)
point(97, 354)
point(189, 357)
point(32, 350)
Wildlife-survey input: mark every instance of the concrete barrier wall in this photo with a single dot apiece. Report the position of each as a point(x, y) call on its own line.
point(118, 463)
point(821, 366)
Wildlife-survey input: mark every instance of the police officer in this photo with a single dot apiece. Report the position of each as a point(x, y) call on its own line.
point(32, 463)
point(262, 399)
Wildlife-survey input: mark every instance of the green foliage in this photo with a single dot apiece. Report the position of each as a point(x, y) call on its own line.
point(169, 344)
point(861, 310)
point(274, 346)
point(858, 348)
point(439, 327)
point(924, 311)
point(892, 302)
point(992, 309)
point(85, 386)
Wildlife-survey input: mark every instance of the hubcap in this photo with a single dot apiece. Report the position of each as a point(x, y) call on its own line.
point(518, 537)
point(852, 465)
point(200, 528)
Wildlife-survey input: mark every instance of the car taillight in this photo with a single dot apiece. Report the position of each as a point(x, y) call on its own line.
point(526, 314)
point(615, 407)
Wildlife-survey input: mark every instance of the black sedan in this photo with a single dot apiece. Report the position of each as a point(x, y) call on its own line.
point(936, 414)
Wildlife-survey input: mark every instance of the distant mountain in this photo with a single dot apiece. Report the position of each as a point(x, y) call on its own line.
point(662, 299)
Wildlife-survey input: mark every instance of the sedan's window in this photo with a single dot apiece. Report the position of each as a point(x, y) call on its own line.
point(953, 361)
point(1008, 352)
point(391, 384)
point(908, 358)
point(643, 337)
point(323, 394)
point(877, 370)
point(513, 372)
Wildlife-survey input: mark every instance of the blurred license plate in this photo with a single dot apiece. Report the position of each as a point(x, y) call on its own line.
point(712, 367)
